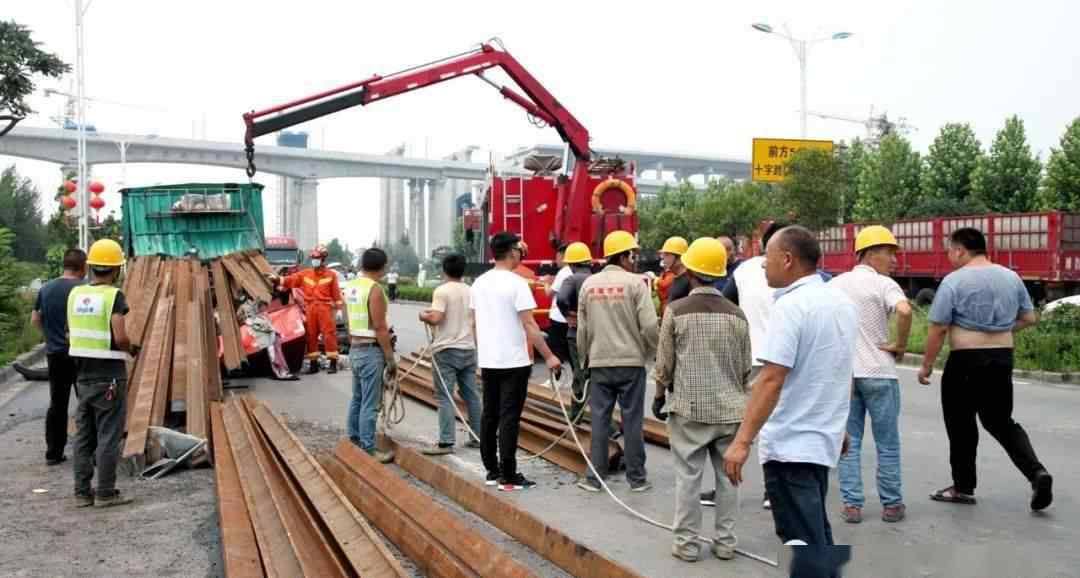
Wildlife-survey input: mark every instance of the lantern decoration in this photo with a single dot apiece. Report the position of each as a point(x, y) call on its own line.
point(68, 201)
point(69, 186)
point(97, 203)
point(97, 188)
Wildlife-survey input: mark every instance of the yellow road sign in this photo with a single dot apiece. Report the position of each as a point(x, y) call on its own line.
point(772, 154)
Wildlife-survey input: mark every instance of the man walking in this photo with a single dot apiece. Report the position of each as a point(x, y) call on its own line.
point(703, 360)
point(579, 259)
point(876, 388)
point(99, 345)
point(617, 333)
point(505, 329)
point(50, 318)
point(454, 353)
point(979, 306)
point(391, 282)
point(800, 401)
point(371, 350)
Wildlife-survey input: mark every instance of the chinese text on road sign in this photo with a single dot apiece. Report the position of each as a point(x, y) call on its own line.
point(772, 154)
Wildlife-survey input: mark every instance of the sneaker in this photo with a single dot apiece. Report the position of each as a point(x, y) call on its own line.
point(84, 500)
point(313, 368)
point(383, 457)
point(589, 485)
point(893, 514)
point(518, 482)
point(766, 504)
point(723, 552)
point(1042, 495)
point(492, 479)
point(438, 450)
point(642, 486)
point(851, 514)
point(55, 461)
point(686, 553)
point(114, 499)
point(708, 498)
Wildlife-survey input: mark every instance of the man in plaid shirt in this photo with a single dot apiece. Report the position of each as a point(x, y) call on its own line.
point(703, 360)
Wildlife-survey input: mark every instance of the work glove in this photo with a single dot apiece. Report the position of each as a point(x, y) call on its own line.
point(657, 406)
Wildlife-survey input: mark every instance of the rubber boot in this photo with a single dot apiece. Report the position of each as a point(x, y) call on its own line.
point(313, 366)
point(333, 366)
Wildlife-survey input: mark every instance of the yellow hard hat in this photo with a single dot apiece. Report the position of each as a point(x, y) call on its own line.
point(105, 253)
point(618, 242)
point(873, 236)
point(706, 256)
point(674, 245)
point(577, 252)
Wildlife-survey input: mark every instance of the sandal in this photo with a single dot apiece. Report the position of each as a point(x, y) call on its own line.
point(952, 496)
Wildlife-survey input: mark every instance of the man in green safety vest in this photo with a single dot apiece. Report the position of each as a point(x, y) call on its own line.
point(99, 345)
point(371, 350)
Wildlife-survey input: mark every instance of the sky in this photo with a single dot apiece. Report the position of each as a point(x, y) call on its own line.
point(678, 76)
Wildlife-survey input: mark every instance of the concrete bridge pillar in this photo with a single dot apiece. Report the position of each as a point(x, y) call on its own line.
point(302, 212)
point(443, 193)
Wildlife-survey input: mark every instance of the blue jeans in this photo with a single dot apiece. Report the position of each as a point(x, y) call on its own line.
point(456, 365)
point(881, 399)
point(367, 369)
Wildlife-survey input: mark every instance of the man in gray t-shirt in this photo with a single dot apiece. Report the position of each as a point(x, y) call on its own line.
point(979, 306)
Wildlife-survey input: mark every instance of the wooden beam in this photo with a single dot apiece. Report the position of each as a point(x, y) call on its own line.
point(239, 547)
point(161, 390)
point(254, 287)
point(182, 358)
point(226, 317)
point(196, 374)
point(138, 420)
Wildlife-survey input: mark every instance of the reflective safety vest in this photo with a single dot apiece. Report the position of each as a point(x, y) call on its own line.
point(356, 303)
point(89, 318)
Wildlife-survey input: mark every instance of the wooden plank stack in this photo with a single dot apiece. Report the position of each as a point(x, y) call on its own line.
point(179, 309)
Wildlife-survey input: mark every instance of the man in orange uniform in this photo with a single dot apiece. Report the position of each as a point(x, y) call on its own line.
point(322, 296)
point(672, 278)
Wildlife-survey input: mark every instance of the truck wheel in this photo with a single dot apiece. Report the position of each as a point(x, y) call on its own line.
point(924, 297)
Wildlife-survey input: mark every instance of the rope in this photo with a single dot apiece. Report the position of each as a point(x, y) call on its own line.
point(738, 503)
point(393, 412)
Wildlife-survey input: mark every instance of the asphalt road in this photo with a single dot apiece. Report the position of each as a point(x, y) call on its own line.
point(998, 537)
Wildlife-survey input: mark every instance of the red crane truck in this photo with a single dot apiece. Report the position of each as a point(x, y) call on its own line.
point(598, 197)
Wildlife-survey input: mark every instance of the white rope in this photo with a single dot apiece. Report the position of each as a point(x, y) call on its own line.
point(738, 490)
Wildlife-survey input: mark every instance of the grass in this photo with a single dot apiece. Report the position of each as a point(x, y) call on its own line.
point(23, 336)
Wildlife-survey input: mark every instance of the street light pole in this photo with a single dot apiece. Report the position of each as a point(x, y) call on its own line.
point(83, 191)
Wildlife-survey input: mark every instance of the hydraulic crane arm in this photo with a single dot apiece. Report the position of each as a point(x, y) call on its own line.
point(537, 101)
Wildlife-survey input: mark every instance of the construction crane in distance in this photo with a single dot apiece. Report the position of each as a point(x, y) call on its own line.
point(877, 126)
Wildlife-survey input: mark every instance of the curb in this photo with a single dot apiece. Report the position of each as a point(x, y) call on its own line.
point(28, 359)
point(916, 359)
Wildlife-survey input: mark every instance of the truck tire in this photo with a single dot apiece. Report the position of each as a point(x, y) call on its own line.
point(924, 297)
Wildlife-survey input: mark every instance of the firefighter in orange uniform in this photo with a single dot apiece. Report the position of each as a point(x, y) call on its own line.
point(671, 253)
point(322, 296)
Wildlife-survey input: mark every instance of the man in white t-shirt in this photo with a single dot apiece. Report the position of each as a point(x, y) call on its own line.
point(876, 388)
point(557, 327)
point(503, 323)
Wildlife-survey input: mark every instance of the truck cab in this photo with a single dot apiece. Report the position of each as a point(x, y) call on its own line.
point(283, 254)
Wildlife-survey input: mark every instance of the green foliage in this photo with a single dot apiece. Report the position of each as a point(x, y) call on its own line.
point(16, 336)
point(403, 257)
point(888, 182)
point(951, 163)
point(813, 188)
point(21, 214)
point(1061, 188)
point(337, 252)
point(415, 293)
point(853, 159)
point(471, 249)
point(20, 59)
point(723, 208)
point(1007, 180)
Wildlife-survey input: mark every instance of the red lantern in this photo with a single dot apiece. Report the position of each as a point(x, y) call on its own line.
point(69, 186)
point(97, 188)
point(68, 202)
point(97, 203)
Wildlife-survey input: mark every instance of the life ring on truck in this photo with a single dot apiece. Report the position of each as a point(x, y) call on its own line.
point(613, 183)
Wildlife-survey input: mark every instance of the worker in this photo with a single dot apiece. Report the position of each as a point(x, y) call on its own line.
point(391, 283)
point(799, 403)
point(617, 333)
point(322, 296)
point(50, 318)
point(876, 387)
point(557, 328)
point(733, 260)
point(454, 351)
point(579, 259)
point(671, 261)
point(371, 351)
point(502, 304)
point(99, 345)
point(979, 306)
point(702, 376)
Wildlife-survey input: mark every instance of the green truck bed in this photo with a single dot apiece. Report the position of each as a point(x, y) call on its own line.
point(213, 218)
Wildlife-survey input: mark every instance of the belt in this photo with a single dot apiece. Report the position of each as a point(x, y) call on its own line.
point(365, 344)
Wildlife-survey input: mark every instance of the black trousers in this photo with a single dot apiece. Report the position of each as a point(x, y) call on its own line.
point(62, 374)
point(797, 492)
point(393, 291)
point(557, 341)
point(978, 382)
point(505, 391)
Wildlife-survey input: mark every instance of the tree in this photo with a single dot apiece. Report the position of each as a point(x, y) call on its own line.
point(20, 212)
point(471, 248)
point(812, 188)
point(404, 257)
point(853, 159)
point(336, 252)
point(1061, 187)
point(888, 184)
point(667, 214)
point(20, 59)
point(950, 164)
point(1007, 180)
point(730, 208)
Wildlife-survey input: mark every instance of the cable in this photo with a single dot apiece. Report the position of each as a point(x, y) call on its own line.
point(738, 503)
point(442, 382)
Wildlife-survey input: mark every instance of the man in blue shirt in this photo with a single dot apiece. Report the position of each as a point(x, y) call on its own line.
point(979, 306)
point(800, 400)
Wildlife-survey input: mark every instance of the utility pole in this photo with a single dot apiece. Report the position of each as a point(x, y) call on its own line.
point(80, 70)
